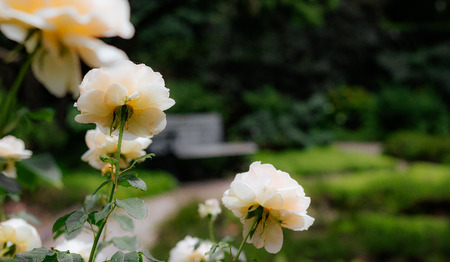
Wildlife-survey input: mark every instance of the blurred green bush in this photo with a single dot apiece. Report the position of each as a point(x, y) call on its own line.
point(412, 145)
point(276, 120)
point(400, 108)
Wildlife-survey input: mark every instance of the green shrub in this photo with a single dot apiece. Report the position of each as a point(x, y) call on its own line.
point(277, 120)
point(417, 146)
point(321, 160)
point(192, 97)
point(423, 187)
point(402, 238)
point(399, 108)
point(350, 106)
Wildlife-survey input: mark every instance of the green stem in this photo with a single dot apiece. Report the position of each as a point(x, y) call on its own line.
point(93, 253)
point(254, 223)
point(123, 119)
point(211, 229)
point(12, 94)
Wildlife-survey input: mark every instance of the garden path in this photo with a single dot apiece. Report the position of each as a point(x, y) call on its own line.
point(159, 208)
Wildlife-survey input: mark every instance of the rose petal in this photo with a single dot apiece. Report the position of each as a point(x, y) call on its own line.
point(116, 95)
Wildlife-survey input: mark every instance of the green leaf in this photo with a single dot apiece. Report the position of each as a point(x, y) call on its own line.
point(45, 114)
point(68, 257)
point(107, 159)
point(35, 255)
point(60, 223)
point(76, 221)
point(90, 201)
point(147, 254)
point(102, 245)
point(103, 213)
point(134, 206)
point(125, 222)
point(119, 256)
point(133, 181)
point(102, 185)
point(42, 167)
point(141, 158)
point(126, 243)
point(10, 185)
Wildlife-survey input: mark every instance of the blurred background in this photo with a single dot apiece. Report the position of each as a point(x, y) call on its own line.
point(298, 78)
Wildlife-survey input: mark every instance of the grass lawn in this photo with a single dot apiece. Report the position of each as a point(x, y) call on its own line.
point(323, 160)
point(366, 209)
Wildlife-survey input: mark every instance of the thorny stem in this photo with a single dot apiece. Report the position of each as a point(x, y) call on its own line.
point(123, 119)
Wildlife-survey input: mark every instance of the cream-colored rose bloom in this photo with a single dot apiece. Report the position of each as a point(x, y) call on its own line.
point(281, 198)
point(17, 232)
point(185, 251)
point(12, 149)
point(210, 207)
point(79, 247)
point(67, 29)
point(99, 143)
point(137, 86)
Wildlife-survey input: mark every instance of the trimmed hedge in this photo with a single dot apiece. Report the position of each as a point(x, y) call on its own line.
point(417, 146)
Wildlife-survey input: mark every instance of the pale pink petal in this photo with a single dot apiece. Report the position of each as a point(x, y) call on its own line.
point(90, 102)
point(14, 32)
point(144, 123)
point(244, 192)
point(116, 95)
point(59, 72)
point(94, 52)
point(154, 95)
point(273, 237)
point(271, 200)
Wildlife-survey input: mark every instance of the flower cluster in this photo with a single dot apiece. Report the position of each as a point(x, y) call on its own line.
point(126, 101)
point(192, 249)
point(99, 143)
point(60, 31)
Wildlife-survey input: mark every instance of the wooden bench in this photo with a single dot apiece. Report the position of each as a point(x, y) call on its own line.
point(195, 136)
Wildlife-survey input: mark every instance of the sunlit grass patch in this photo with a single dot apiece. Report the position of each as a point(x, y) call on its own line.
point(389, 190)
point(323, 160)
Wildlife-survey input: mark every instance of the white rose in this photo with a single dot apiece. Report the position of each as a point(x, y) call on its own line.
point(79, 247)
point(18, 233)
point(12, 149)
point(68, 29)
point(280, 199)
point(185, 251)
point(210, 207)
point(137, 86)
point(99, 143)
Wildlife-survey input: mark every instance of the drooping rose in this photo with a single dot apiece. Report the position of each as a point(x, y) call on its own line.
point(12, 149)
point(210, 207)
point(137, 87)
point(81, 248)
point(185, 251)
point(99, 143)
point(17, 236)
point(274, 198)
point(65, 30)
